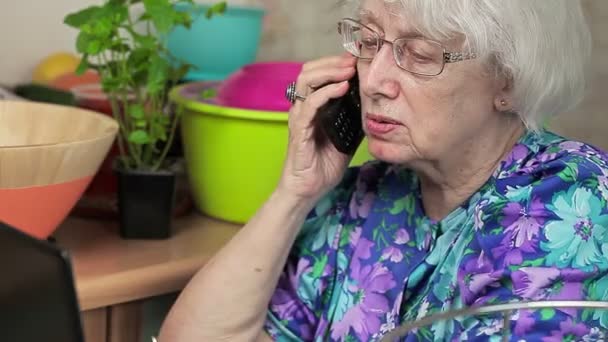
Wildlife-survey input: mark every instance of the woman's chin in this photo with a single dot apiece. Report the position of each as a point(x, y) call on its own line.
point(387, 151)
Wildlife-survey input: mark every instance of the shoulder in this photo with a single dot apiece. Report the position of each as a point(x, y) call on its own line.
point(545, 164)
point(549, 206)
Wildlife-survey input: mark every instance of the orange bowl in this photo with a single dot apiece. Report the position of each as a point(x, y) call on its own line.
point(71, 80)
point(48, 156)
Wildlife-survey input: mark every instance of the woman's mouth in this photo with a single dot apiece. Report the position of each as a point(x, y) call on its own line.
point(380, 125)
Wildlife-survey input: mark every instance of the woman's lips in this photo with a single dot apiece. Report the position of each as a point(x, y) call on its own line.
point(380, 125)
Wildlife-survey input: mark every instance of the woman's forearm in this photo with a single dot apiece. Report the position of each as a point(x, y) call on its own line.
point(228, 298)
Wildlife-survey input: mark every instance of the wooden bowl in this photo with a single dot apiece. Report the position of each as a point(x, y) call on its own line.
point(48, 156)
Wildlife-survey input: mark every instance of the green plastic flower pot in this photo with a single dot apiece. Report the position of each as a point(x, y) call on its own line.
point(234, 156)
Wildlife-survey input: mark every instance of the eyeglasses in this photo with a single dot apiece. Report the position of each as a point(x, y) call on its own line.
point(416, 55)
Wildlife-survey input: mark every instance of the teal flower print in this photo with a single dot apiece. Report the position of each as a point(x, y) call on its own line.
point(519, 193)
point(326, 237)
point(576, 239)
point(603, 185)
point(599, 291)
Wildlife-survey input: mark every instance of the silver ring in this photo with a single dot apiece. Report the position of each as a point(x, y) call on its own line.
point(292, 95)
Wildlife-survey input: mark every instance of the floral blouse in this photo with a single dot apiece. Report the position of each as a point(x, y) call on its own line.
point(368, 259)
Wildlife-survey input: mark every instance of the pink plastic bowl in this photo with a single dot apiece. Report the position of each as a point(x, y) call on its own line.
point(259, 86)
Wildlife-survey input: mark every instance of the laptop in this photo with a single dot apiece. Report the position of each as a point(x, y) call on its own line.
point(37, 294)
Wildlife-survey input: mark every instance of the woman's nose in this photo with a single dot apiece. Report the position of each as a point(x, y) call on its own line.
point(382, 75)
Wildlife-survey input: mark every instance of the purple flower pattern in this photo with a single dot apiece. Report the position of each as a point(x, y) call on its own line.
point(536, 230)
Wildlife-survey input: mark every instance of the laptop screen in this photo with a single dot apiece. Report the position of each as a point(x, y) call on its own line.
point(37, 296)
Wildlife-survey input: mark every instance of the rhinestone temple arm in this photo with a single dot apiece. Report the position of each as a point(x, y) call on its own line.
point(453, 57)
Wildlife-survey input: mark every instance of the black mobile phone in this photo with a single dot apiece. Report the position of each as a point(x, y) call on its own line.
point(339, 121)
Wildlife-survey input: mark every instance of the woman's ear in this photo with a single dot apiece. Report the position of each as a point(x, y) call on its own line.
point(503, 101)
point(502, 105)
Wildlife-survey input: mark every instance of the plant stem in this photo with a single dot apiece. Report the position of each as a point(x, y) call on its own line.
point(115, 112)
point(121, 147)
point(166, 148)
point(119, 113)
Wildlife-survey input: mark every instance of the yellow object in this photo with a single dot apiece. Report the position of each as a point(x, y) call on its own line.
point(55, 65)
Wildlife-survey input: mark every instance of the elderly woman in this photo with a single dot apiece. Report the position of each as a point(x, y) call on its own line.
point(469, 202)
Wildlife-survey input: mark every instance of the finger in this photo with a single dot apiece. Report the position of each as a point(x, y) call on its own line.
point(302, 113)
point(321, 65)
point(317, 78)
point(344, 60)
point(320, 97)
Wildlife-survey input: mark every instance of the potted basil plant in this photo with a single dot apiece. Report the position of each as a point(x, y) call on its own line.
point(124, 41)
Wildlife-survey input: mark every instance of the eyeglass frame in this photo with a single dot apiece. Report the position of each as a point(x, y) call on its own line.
point(448, 57)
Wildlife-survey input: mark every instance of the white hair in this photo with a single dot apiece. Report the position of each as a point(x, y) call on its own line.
point(543, 46)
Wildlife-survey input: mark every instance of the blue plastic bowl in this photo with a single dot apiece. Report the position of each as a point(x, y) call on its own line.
point(218, 46)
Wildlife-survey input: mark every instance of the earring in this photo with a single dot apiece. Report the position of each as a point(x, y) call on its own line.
point(503, 102)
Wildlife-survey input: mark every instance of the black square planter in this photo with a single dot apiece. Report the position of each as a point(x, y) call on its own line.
point(145, 203)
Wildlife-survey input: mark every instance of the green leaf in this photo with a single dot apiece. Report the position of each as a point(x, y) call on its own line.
point(570, 173)
point(139, 137)
point(113, 68)
point(218, 8)
point(137, 64)
point(94, 47)
point(160, 12)
point(120, 14)
point(136, 111)
point(426, 332)
point(469, 251)
point(87, 28)
point(143, 17)
point(184, 19)
point(178, 73)
point(110, 85)
point(146, 42)
point(398, 206)
point(82, 42)
point(319, 266)
point(139, 77)
point(533, 263)
point(77, 19)
point(103, 28)
point(586, 314)
point(344, 240)
point(158, 130)
point(547, 314)
point(118, 46)
point(164, 120)
point(83, 65)
point(496, 231)
point(157, 74)
point(141, 124)
point(138, 58)
point(208, 93)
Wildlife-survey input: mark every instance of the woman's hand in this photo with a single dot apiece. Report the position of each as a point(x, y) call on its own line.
point(311, 170)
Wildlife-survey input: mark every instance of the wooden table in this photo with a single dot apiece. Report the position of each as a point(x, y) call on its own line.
point(114, 275)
